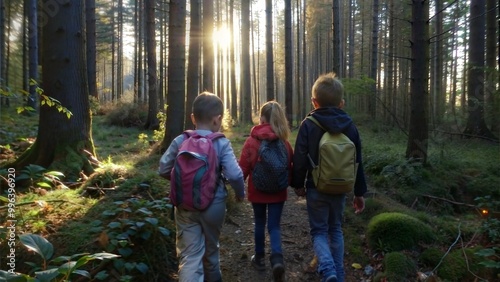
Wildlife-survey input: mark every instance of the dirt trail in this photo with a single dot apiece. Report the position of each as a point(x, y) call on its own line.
point(237, 245)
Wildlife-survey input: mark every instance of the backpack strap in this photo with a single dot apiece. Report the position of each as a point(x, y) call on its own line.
point(212, 136)
point(311, 118)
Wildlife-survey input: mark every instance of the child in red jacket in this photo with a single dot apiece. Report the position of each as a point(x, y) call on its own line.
point(273, 126)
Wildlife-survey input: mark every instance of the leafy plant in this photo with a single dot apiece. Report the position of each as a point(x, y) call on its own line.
point(491, 257)
point(44, 101)
point(38, 176)
point(57, 269)
point(491, 225)
point(133, 225)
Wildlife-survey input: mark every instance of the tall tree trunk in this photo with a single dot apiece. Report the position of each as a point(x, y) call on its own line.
point(269, 52)
point(136, 50)
point(437, 77)
point(162, 16)
point(476, 124)
point(492, 111)
point(91, 46)
point(119, 53)
point(63, 143)
point(140, 47)
point(288, 63)
point(418, 131)
point(176, 71)
point(372, 106)
point(232, 64)
point(454, 65)
point(33, 52)
point(305, 70)
point(297, 109)
point(193, 59)
point(113, 54)
point(245, 87)
point(2, 45)
point(152, 121)
point(24, 47)
point(351, 39)
point(337, 34)
point(392, 75)
point(208, 48)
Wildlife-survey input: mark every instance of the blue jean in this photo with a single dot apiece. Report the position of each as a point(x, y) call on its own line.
point(325, 219)
point(274, 211)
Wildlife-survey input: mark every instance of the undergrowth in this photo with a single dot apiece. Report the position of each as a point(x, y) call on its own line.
point(122, 208)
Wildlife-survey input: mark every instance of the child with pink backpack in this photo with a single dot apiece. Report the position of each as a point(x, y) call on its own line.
point(197, 163)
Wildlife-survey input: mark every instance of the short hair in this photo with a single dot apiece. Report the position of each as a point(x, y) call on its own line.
point(206, 106)
point(328, 90)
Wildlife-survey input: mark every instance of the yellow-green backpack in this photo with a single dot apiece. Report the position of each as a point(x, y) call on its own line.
point(336, 170)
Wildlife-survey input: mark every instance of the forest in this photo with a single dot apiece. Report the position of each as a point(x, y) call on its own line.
point(93, 92)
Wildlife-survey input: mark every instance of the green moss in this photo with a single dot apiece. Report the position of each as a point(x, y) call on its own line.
point(396, 231)
point(431, 257)
point(453, 267)
point(457, 263)
point(399, 267)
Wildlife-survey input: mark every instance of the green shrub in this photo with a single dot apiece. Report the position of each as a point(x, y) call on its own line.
point(396, 232)
point(399, 267)
point(127, 114)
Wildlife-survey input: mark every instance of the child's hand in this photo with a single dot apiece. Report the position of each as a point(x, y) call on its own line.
point(301, 192)
point(359, 204)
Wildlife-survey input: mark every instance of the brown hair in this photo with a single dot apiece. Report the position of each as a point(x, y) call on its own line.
point(328, 90)
point(206, 106)
point(275, 115)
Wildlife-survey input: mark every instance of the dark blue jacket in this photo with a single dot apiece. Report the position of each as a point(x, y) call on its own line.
point(334, 120)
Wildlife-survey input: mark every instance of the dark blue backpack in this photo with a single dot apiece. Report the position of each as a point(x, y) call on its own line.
point(270, 174)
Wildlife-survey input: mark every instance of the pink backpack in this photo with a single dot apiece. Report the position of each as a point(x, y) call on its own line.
point(193, 179)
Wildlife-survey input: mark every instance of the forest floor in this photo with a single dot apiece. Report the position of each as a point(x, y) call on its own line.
point(457, 169)
point(237, 246)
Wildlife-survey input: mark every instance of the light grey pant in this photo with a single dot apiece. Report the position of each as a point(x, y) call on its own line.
point(197, 243)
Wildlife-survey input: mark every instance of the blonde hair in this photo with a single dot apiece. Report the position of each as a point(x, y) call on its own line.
point(328, 90)
point(275, 116)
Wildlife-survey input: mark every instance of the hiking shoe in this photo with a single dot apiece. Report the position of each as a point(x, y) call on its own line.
point(278, 267)
point(329, 278)
point(278, 272)
point(258, 262)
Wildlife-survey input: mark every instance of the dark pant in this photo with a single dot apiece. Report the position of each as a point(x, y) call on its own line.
point(274, 211)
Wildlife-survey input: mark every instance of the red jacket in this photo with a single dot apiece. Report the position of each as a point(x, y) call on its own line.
point(248, 158)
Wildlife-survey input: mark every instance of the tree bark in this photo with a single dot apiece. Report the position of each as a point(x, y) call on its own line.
point(269, 52)
point(374, 63)
point(91, 46)
point(176, 71)
point(418, 131)
point(492, 110)
point(193, 73)
point(476, 124)
point(2, 50)
point(288, 63)
point(232, 64)
point(245, 88)
point(33, 100)
point(152, 120)
point(63, 143)
point(208, 48)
